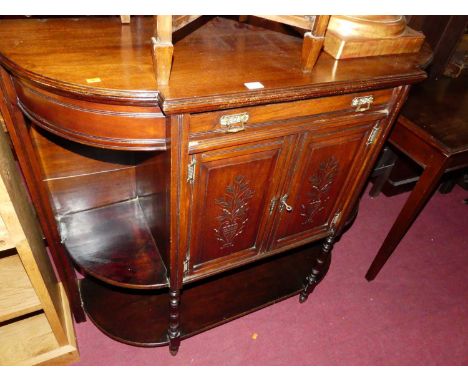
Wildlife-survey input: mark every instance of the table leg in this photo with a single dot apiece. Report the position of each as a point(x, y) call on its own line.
point(419, 196)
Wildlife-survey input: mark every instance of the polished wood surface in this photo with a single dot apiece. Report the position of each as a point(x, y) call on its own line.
point(440, 109)
point(367, 26)
point(114, 243)
point(118, 127)
point(210, 219)
point(432, 130)
point(323, 171)
point(141, 317)
point(370, 35)
point(232, 195)
point(124, 63)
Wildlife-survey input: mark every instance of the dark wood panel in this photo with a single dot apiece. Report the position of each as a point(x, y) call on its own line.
point(101, 125)
point(134, 317)
point(231, 196)
point(239, 292)
point(321, 123)
point(439, 108)
point(79, 193)
point(141, 317)
point(260, 114)
point(114, 244)
point(323, 167)
point(152, 188)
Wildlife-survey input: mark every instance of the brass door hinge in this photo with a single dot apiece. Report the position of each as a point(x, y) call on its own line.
point(187, 263)
point(191, 171)
point(373, 135)
point(335, 219)
point(272, 205)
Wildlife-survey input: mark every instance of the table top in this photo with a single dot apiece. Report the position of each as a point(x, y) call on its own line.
point(440, 108)
point(210, 66)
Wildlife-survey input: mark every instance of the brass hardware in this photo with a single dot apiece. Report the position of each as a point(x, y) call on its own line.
point(272, 205)
point(191, 171)
point(227, 121)
point(335, 219)
point(362, 103)
point(186, 262)
point(284, 205)
point(373, 135)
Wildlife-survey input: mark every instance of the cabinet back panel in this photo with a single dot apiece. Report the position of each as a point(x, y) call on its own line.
point(81, 177)
point(152, 188)
point(78, 193)
point(61, 158)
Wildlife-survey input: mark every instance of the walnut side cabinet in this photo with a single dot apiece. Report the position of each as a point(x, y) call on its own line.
point(201, 201)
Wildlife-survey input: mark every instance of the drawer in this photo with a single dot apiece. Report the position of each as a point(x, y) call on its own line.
point(205, 124)
point(96, 124)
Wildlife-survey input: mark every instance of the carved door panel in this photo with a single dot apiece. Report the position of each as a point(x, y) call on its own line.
point(231, 195)
point(325, 165)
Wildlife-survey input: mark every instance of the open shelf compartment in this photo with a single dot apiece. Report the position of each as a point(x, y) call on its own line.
point(114, 244)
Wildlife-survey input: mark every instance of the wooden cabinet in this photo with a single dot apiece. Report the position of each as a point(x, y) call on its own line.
point(191, 204)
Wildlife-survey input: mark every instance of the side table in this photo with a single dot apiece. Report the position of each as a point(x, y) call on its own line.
point(432, 130)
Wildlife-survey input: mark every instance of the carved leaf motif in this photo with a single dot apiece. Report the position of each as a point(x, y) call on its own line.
point(321, 182)
point(234, 208)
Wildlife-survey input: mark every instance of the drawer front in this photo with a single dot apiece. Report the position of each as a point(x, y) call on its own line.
point(95, 124)
point(205, 125)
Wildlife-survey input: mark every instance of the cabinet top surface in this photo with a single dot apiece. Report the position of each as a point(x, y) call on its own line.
point(98, 57)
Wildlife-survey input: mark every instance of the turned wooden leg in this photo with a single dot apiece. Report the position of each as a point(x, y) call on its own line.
point(419, 196)
point(317, 270)
point(174, 331)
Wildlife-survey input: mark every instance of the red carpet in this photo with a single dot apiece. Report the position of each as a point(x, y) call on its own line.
point(414, 313)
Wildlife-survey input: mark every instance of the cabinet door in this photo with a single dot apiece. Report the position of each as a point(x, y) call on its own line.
point(231, 196)
point(322, 174)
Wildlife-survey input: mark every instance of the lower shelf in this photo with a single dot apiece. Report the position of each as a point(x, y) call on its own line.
point(141, 318)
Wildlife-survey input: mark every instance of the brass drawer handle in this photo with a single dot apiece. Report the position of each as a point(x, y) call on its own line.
point(362, 103)
point(231, 122)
